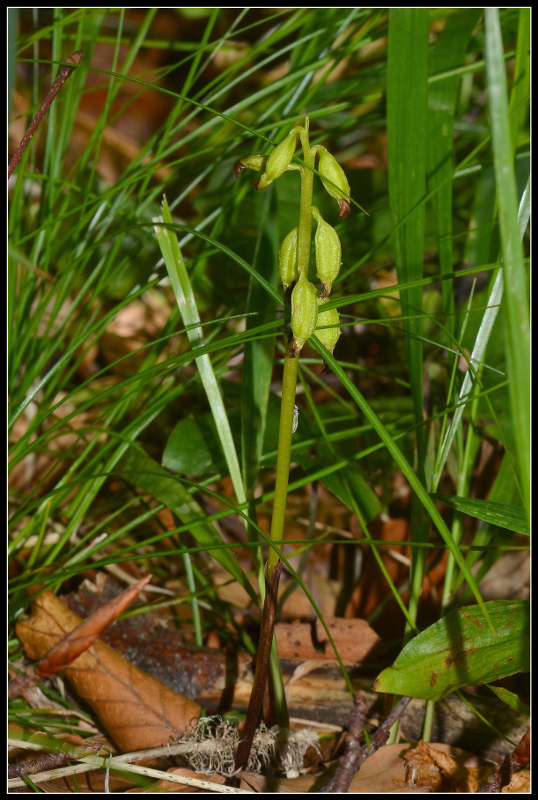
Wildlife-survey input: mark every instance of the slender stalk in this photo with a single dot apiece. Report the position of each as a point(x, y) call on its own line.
point(267, 645)
point(289, 378)
point(289, 382)
point(71, 63)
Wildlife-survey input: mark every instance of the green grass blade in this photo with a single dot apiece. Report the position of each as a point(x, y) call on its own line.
point(181, 285)
point(513, 518)
point(407, 92)
point(407, 129)
point(447, 54)
point(517, 299)
point(404, 465)
point(479, 349)
point(144, 472)
point(520, 94)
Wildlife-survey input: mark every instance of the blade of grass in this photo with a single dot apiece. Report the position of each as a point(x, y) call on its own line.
point(258, 365)
point(407, 134)
point(479, 349)
point(404, 465)
point(517, 301)
point(447, 54)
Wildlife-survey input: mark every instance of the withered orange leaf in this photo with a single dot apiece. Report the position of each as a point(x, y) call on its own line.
point(136, 709)
point(84, 635)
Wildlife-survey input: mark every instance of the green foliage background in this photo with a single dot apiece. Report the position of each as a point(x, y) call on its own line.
point(428, 112)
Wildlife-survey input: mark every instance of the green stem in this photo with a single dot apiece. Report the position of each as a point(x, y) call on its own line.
point(267, 652)
point(289, 378)
point(289, 381)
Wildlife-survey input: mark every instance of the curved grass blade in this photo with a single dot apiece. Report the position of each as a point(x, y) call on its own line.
point(181, 285)
point(517, 301)
point(141, 470)
point(513, 518)
point(404, 465)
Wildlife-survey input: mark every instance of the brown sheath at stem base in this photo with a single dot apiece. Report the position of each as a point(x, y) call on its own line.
point(262, 668)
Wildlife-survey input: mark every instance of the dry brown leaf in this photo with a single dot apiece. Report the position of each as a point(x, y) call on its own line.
point(384, 772)
point(354, 640)
point(520, 783)
point(83, 636)
point(522, 754)
point(136, 709)
point(297, 605)
point(444, 769)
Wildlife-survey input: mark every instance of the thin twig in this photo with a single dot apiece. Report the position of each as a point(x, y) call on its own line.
point(377, 740)
point(42, 764)
point(71, 63)
point(347, 768)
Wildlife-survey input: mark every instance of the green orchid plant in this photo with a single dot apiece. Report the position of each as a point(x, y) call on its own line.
point(307, 319)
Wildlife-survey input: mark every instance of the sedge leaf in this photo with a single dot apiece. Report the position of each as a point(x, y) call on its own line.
point(514, 518)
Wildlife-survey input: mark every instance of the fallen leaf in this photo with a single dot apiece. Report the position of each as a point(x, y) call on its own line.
point(383, 772)
point(136, 709)
point(83, 636)
point(440, 769)
point(254, 782)
point(520, 783)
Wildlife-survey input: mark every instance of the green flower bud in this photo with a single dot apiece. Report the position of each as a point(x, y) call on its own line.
point(328, 252)
point(328, 336)
point(256, 163)
point(338, 187)
point(278, 161)
point(304, 312)
point(287, 259)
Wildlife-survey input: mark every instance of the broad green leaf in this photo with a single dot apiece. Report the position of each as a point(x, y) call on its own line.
point(462, 650)
point(193, 447)
point(512, 517)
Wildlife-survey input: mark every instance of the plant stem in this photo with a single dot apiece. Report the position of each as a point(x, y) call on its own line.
point(267, 647)
point(289, 378)
point(289, 381)
point(71, 63)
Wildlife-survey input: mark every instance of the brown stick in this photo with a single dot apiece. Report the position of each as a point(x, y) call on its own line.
point(74, 60)
point(512, 762)
point(262, 669)
point(345, 772)
point(352, 762)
